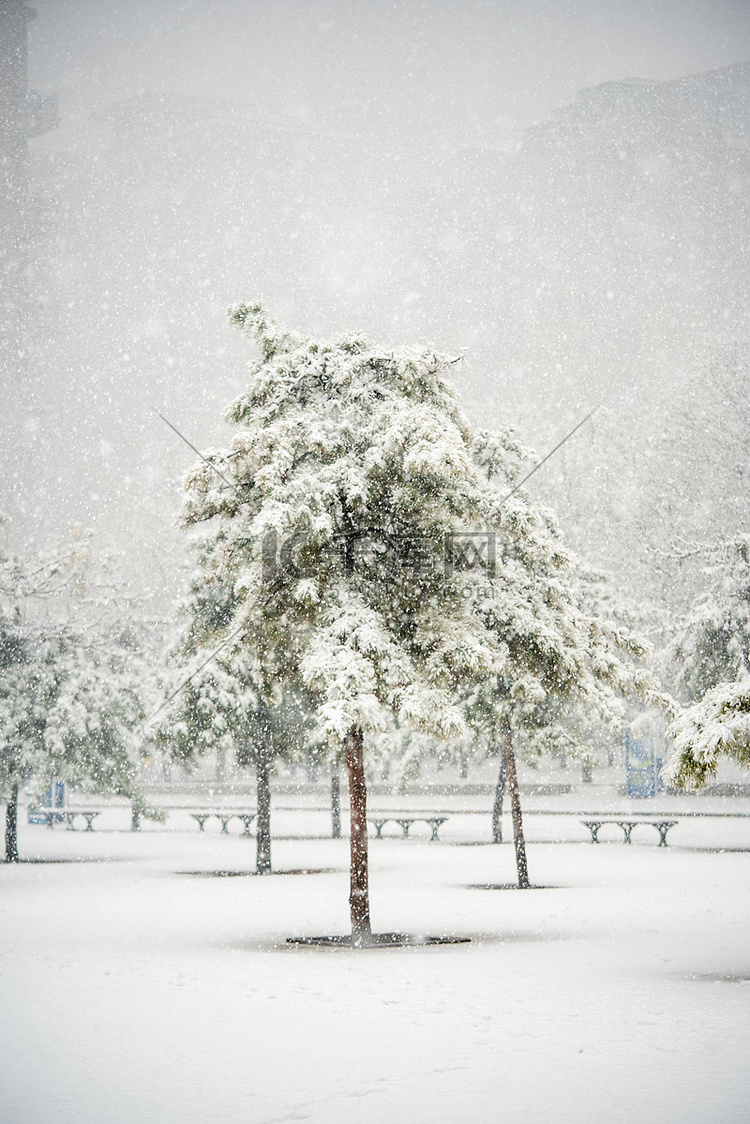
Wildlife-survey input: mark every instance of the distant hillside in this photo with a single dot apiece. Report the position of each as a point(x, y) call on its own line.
point(617, 239)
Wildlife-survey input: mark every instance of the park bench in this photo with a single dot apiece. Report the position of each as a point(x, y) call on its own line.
point(224, 818)
point(662, 826)
point(405, 822)
point(67, 815)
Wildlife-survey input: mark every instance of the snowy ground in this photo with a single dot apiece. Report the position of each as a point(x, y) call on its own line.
point(132, 992)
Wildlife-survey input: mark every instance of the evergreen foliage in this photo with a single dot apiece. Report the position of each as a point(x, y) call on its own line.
point(69, 697)
point(718, 725)
point(711, 657)
point(232, 705)
point(713, 646)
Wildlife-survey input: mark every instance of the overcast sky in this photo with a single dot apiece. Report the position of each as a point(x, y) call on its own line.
point(406, 64)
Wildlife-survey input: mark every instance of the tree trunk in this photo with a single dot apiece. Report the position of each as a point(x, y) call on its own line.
point(515, 804)
point(497, 807)
point(263, 800)
point(335, 805)
point(221, 766)
point(11, 826)
point(359, 895)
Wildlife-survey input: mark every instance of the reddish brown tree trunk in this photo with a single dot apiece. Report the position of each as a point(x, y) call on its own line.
point(263, 822)
point(335, 804)
point(497, 807)
point(359, 894)
point(11, 826)
point(515, 806)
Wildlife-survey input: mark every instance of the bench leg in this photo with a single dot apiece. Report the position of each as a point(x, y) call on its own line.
point(594, 829)
point(435, 827)
point(627, 829)
point(89, 821)
point(663, 829)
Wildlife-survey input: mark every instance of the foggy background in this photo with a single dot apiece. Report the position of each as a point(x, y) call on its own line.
point(557, 191)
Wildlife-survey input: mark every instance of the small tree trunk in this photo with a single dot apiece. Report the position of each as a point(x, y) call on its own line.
point(515, 804)
point(335, 805)
point(263, 799)
point(11, 826)
point(497, 807)
point(135, 817)
point(359, 895)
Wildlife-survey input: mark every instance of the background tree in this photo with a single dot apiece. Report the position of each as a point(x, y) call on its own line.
point(69, 701)
point(553, 651)
point(233, 705)
point(717, 726)
point(710, 658)
point(713, 644)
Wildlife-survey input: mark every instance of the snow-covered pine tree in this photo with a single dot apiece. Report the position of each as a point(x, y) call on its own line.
point(713, 644)
point(337, 517)
point(343, 471)
point(718, 725)
point(711, 661)
point(232, 704)
point(553, 653)
point(68, 705)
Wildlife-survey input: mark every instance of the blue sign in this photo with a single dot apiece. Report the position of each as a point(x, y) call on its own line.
point(54, 797)
point(640, 766)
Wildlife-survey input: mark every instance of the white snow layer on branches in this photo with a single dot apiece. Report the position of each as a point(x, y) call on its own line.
point(68, 709)
point(351, 469)
point(717, 725)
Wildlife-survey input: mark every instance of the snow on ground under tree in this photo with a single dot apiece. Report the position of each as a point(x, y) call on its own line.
point(134, 992)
